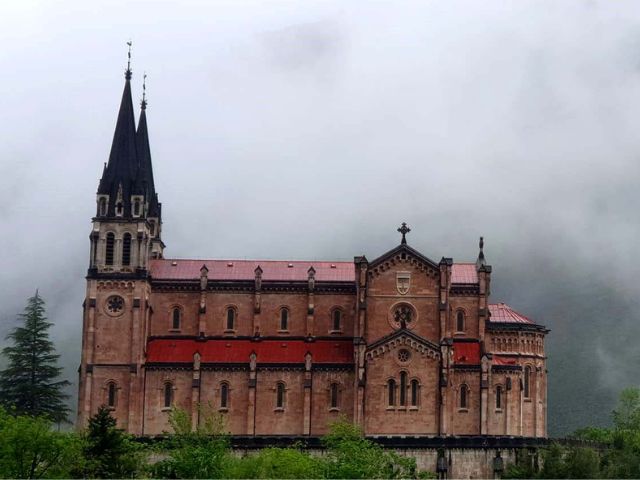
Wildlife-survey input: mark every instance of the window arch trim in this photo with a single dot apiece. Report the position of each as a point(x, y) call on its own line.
point(463, 397)
point(176, 317)
point(230, 318)
point(391, 392)
point(112, 394)
point(284, 319)
point(168, 394)
point(224, 395)
point(337, 320)
point(461, 320)
point(281, 396)
point(110, 248)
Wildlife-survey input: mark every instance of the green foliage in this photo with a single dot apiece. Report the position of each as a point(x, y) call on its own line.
point(28, 385)
point(200, 453)
point(557, 461)
point(29, 448)
point(277, 463)
point(350, 455)
point(594, 434)
point(108, 451)
point(626, 416)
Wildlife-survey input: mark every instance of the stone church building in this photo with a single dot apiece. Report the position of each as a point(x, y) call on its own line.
point(398, 343)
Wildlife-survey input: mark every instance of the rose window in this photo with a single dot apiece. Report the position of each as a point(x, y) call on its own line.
point(115, 304)
point(403, 315)
point(404, 355)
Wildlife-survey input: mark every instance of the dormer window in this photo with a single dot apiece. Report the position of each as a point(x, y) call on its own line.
point(152, 228)
point(119, 209)
point(102, 207)
point(136, 207)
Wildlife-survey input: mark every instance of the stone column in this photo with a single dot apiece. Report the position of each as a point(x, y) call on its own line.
point(195, 392)
point(311, 282)
point(306, 429)
point(257, 300)
point(251, 404)
point(202, 320)
point(484, 395)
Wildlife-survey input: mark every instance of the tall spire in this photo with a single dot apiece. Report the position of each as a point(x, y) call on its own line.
point(144, 181)
point(480, 262)
point(123, 160)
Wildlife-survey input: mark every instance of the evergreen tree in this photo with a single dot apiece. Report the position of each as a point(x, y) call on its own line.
point(109, 452)
point(28, 385)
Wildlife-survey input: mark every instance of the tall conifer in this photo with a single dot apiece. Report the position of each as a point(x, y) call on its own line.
point(28, 384)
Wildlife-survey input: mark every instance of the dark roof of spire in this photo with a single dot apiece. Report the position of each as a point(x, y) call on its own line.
point(123, 162)
point(144, 182)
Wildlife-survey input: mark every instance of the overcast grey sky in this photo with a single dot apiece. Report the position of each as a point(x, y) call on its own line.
point(310, 130)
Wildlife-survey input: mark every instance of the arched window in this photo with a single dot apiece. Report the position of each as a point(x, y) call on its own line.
point(126, 249)
point(403, 389)
point(224, 395)
point(337, 320)
point(231, 318)
point(280, 395)
point(102, 207)
point(464, 396)
point(527, 382)
point(111, 395)
point(415, 393)
point(334, 390)
point(136, 207)
point(168, 395)
point(498, 397)
point(177, 314)
point(111, 240)
point(460, 321)
point(391, 388)
point(284, 319)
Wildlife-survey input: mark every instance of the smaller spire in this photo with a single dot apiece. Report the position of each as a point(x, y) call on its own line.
point(404, 230)
point(143, 104)
point(480, 262)
point(127, 74)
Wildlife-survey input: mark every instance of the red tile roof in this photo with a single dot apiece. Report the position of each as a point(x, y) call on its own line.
point(238, 351)
point(464, 273)
point(171, 269)
point(466, 353)
point(503, 313)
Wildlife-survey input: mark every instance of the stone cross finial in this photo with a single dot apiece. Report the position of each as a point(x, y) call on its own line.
point(404, 230)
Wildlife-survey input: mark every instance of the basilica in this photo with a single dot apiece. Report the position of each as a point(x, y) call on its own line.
point(396, 342)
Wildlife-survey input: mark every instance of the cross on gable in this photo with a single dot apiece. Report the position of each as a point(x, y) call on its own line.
point(404, 230)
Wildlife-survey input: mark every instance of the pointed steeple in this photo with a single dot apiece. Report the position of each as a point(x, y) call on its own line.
point(144, 181)
point(121, 169)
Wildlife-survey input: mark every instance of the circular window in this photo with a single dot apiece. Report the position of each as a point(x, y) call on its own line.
point(115, 305)
point(402, 315)
point(404, 355)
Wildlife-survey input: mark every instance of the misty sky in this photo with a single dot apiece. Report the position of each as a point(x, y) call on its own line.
point(310, 130)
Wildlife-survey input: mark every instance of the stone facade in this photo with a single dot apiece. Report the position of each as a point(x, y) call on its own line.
point(400, 345)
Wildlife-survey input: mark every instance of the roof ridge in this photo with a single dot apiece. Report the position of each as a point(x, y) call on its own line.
point(250, 260)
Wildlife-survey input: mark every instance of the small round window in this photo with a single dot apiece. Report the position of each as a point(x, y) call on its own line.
point(404, 355)
point(115, 305)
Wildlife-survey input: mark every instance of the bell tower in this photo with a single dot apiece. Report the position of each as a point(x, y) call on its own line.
point(125, 235)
